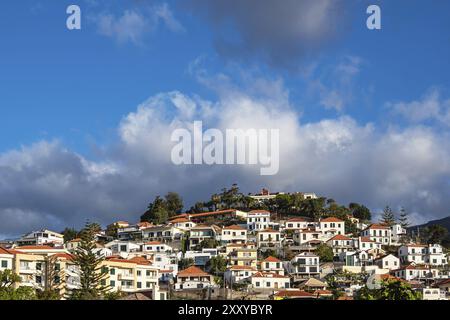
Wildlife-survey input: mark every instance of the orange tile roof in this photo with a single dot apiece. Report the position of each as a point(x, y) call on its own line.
point(38, 247)
point(193, 271)
point(66, 256)
point(234, 227)
point(340, 237)
point(212, 213)
point(4, 251)
point(75, 240)
point(153, 243)
point(260, 211)
point(242, 268)
point(323, 292)
point(271, 259)
point(377, 226)
point(140, 260)
point(366, 239)
point(331, 219)
point(296, 220)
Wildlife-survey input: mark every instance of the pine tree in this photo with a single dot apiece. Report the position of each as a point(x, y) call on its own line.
point(90, 269)
point(404, 221)
point(388, 217)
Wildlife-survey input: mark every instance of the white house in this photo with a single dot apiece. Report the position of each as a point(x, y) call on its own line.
point(193, 278)
point(413, 272)
point(183, 223)
point(366, 243)
point(340, 243)
point(123, 247)
point(156, 246)
point(332, 226)
point(305, 264)
point(389, 261)
point(397, 234)
point(41, 237)
point(258, 220)
point(267, 280)
point(239, 274)
point(269, 238)
point(422, 254)
point(296, 224)
point(6, 259)
point(234, 234)
point(379, 233)
point(305, 236)
point(272, 264)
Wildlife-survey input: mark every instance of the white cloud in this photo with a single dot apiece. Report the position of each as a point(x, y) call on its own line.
point(430, 107)
point(46, 184)
point(134, 25)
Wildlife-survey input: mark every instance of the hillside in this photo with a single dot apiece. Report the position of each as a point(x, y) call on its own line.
point(445, 222)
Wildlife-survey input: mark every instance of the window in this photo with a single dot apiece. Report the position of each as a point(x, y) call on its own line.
point(112, 271)
point(4, 264)
point(138, 272)
point(38, 279)
point(112, 283)
point(257, 283)
point(148, 273)
point(57, 267)
point(38, 266)
point(139, 285)
point(148, 284)
point(268, 284)
point(57, 280)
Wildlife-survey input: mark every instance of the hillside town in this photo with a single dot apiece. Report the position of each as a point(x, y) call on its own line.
point(230, 253)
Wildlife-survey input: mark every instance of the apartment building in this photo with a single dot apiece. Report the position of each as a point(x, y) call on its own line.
point(379, 233)
point(269, 238)
point(422, 254)
point(234, 234)
point(340, 243)
point(296, 224)
point(304, 265)
point(244, 256)
point(202, 232)
point(414, 272)
point(41, 237)
point(258, 220)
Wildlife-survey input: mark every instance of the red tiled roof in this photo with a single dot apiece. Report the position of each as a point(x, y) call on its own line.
point(323, 292)
point(271, 259)
point(258, 211)
point(340, 237)
point(242, 268)
point(193, 271)
point(296, 220)
point(151, 243)
point(377, 226)
point(75, 240)
point(366, 239)
point(4, 251)
point(140, 260)
point(43, 247)
point(331, 219)
point(212, 213)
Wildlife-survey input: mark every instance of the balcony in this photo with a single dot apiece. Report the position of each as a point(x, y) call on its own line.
point(125, 276)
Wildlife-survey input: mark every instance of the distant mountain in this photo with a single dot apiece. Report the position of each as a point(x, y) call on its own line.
point(445, 222)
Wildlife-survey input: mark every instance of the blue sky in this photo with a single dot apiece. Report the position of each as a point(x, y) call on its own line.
point(73, 90)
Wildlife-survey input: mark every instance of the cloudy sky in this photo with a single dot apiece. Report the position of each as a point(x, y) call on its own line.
point(87, 115)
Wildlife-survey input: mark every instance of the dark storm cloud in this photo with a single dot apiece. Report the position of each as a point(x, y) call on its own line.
point(280, 32)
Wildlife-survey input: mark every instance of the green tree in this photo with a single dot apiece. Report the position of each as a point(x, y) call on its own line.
point(217, 265)
point(185, 263)
point(361, 212)
point(111, 230)
point(69, 234)
point(8, 279)
point(389, 290)
point(90, 269)
point(53, 279)
point(403, 219)
point(435, 234)
point(174, 203)
point(388, 217)
point(156, 212)
point(324, 252)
